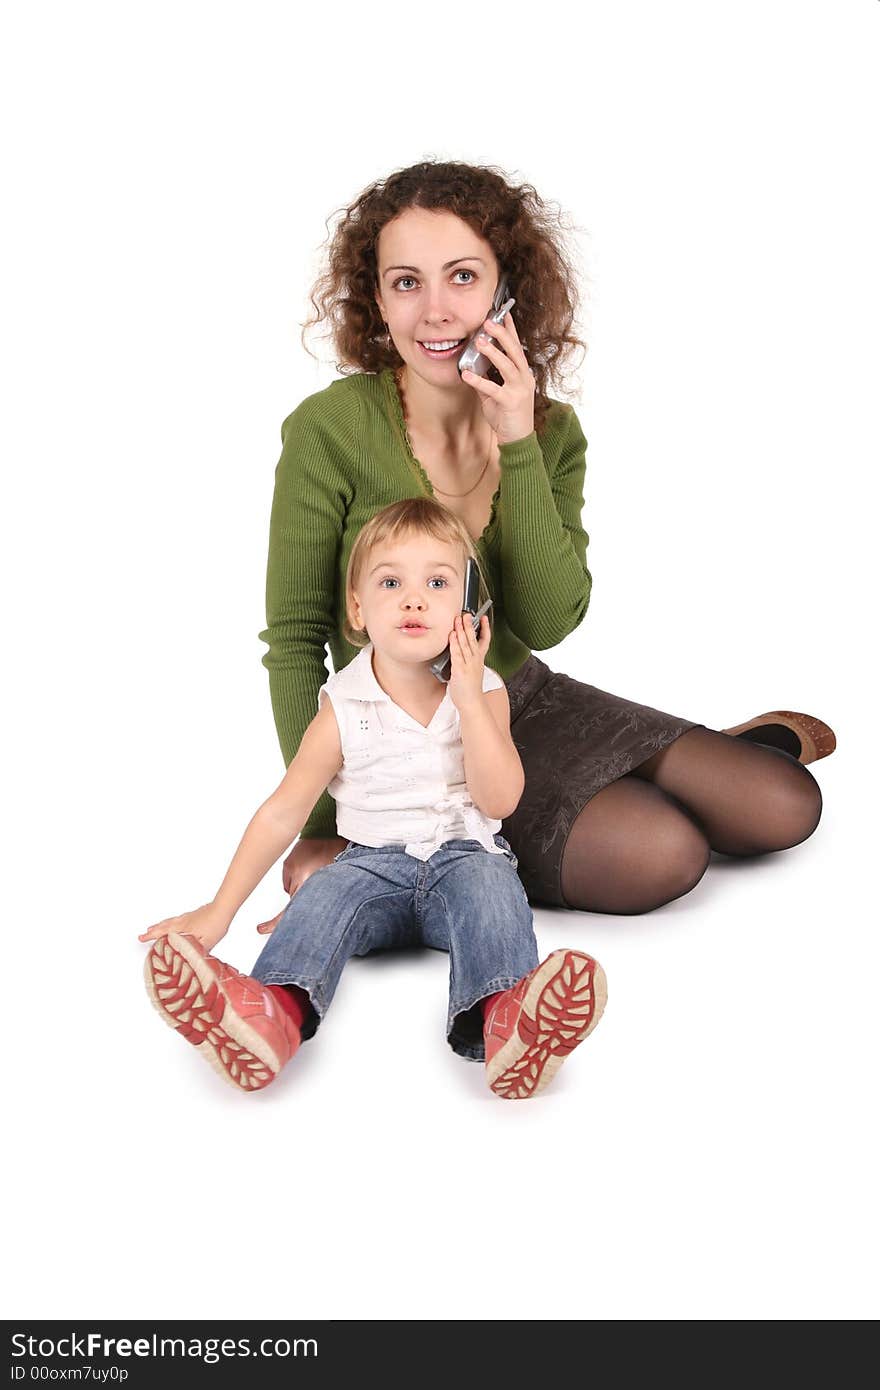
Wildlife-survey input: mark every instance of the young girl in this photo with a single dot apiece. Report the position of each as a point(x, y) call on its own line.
point(422, 774)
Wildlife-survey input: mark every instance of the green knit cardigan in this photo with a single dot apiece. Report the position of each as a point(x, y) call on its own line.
point(345, 455)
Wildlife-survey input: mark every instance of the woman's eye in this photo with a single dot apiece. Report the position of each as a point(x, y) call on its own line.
point(401, 279)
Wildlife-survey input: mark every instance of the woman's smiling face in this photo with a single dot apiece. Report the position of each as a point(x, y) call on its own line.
point(437, 279)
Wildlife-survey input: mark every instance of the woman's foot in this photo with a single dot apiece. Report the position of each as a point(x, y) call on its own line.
point(532, 1027)
point(230, 1018)
point(802, 735)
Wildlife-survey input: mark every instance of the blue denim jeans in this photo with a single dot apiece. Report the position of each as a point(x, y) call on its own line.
point(462, 900)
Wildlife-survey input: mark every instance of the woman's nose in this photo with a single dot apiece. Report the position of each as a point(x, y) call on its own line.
point(436, 308)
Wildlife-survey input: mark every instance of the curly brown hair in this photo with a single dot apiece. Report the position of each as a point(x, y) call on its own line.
point(517, 224)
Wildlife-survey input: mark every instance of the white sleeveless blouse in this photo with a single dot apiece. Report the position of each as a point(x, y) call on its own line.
point(401, 782)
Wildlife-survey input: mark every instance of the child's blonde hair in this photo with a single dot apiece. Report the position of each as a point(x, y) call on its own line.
point(413, 516)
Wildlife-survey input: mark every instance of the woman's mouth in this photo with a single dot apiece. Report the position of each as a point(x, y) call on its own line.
point(446, 347)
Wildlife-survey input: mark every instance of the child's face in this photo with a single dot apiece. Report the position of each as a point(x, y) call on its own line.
point(410, 591)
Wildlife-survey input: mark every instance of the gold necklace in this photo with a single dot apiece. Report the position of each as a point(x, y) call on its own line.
point(441, 490)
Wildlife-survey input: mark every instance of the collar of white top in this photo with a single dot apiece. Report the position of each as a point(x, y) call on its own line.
point(357, 680)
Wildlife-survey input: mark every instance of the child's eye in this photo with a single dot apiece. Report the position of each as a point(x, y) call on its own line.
point(390, 579)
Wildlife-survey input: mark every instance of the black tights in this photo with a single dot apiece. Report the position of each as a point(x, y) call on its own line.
point(647, 838)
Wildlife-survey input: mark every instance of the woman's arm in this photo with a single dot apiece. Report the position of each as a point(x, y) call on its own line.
point(312, 494)
point(546, 583)
point(272, 828)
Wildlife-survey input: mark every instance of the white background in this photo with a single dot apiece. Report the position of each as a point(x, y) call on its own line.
point(168, 174)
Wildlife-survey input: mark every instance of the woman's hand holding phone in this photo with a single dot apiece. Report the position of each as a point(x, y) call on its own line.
point(509, 409)
point(468, 653)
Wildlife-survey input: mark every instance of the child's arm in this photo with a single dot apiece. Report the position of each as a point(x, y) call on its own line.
point(492, 767)
point(270, 832)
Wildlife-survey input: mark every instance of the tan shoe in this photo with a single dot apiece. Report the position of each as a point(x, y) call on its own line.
point(816, 739)
point(230, 1018)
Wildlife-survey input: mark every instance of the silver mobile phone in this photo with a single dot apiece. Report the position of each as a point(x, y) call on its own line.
point(442, 665)
point(471, 358)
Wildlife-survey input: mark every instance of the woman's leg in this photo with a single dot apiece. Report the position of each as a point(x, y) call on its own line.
point(631, 849)
point(746, 797)
point(646, 839)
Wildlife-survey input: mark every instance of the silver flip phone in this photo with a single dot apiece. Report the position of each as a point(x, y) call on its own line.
point(442, 665)
point(471, 358)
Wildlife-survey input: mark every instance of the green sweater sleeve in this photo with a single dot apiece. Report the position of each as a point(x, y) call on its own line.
point(546, 583)
point(308, 507)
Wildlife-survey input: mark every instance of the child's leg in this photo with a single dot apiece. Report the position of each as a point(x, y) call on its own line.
point(531, 1023)
point(242, 1024)
point(477, 910)
point(350, 907)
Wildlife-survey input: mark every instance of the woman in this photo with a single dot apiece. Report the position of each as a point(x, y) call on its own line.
point(623, 803)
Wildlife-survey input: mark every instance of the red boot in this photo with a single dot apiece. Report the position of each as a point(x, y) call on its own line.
point(230, 1018)
point(532, 1027)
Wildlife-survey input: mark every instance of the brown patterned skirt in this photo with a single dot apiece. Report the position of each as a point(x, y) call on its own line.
point(573, 740)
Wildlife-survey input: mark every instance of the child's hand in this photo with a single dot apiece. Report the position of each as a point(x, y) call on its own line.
point(468, 657)
point(206, 924)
